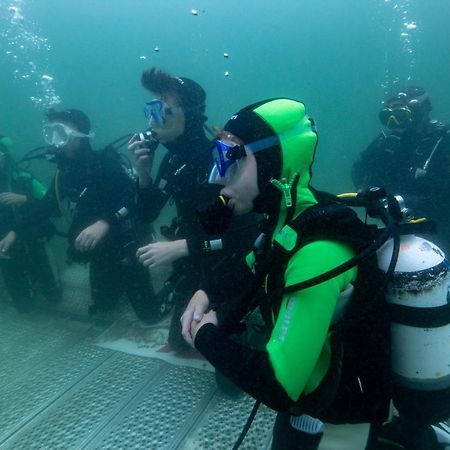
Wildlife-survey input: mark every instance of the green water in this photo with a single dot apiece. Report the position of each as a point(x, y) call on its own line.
point(340, 57)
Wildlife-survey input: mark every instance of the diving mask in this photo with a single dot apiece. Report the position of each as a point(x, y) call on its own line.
point(156, 112)
point(59, 134)
point(226, 156)
point(396, 117)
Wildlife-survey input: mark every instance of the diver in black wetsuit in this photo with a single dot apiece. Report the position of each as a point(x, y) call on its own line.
point(411, 157)
point(101, 199)
point(176, 120)
point(24, 261)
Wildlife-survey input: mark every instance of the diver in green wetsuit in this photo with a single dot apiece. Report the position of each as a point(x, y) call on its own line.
point(327, 356)
point(298, 353)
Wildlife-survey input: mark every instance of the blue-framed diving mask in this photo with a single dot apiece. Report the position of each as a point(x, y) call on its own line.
point(59, 134)
point(156, 112)
point(226, 156)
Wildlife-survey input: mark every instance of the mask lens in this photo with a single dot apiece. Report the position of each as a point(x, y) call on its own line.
point(155, 112)
point(57, 134)
point(216, 178)
point(225, 158)
point(222, 155)
point(393, 118)
point(218, 158)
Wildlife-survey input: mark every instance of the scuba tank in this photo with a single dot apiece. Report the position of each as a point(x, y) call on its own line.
point(418, 294)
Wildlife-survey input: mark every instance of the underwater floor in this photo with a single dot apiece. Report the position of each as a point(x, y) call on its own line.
point(67, 382)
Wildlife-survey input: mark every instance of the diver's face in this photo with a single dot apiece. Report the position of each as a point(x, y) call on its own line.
point(241, 187)
point(175, 121)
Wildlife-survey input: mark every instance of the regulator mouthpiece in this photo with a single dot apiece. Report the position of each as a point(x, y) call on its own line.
point(216, 218)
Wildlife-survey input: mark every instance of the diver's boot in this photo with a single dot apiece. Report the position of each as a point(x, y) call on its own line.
point(297, 432)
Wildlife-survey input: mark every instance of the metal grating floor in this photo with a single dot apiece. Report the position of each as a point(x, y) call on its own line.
point(60, 391)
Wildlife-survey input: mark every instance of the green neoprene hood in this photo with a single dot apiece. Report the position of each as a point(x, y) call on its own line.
point(297, 142)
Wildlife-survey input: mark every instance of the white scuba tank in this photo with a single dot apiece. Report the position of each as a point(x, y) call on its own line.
point(419, 302)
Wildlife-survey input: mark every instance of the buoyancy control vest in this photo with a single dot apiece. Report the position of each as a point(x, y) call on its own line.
point(356, 388)
point(398, 315)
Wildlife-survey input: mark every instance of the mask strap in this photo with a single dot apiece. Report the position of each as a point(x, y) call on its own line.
point(82, 135)
point(262, 144)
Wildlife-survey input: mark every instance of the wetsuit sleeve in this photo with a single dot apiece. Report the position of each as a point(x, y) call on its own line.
point(115, 190)
point(297, 345)
point(293, 361)
point(152, 198)
point(151, 201)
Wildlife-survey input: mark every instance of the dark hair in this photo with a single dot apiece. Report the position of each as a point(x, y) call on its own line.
point(74, 116)
point(157, 81)
point(416, 97)
point(191, 95)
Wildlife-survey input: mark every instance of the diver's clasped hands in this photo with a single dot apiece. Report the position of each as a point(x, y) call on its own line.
point(160, 253)
point(195, 316)
point(90, 237)
point(11, 198)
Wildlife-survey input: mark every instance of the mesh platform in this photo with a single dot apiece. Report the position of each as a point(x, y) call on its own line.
point(60, 391)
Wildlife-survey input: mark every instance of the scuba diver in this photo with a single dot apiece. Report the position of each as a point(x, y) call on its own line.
point(176, 118)
point(24, 260)
point(318, 286)
point(411, 155)
point(100, 211)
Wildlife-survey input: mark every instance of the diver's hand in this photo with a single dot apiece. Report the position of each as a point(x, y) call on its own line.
point(209, 317)
point(11, 198)
point(143, 159)
point(158, 253)
point(193, 313)
point(6, 243)
point(90, 237)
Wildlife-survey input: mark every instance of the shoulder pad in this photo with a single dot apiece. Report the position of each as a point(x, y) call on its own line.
point(287, 238)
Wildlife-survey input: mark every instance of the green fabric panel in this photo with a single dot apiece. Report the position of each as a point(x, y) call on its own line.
point(250, 260)
point(298, 347)
point(298, 141)
point(39, 189)
point(287, 238)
